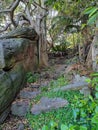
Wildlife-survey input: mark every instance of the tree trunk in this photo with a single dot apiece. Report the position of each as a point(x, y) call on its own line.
point(89, 57)
point(41, 30)
point(95, 50)
point(86, 42)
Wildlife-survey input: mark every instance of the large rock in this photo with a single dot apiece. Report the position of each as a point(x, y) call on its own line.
point(4, 115)
point(10, 84)
point(23, 32)
point(5, 91)
point(17, 56)
point(16, 50)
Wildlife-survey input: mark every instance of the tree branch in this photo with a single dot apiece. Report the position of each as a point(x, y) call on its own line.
point(5, 11)
point(36, 4)
point(23, 16)
point(6, 27)
point(22, 22)
point(13, 6)
point(34, 7)
point(29, 16)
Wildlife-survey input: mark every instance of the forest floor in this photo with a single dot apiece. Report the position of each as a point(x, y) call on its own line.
point(61, 71)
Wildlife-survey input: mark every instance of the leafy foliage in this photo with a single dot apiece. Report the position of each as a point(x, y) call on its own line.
point(80, 114)
point(93, 14)
point(55, 118)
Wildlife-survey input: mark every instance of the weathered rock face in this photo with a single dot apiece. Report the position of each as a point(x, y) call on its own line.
point(17, 56)
point(16, 50)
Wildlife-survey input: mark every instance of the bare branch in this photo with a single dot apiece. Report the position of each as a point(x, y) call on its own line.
point(23, 22)
point(36, 4)
point(29, 16)
point(6, 27)
point(25, 1)
point(21, 16)
point(13, 6)
point(5, 11)
point(34, 7)
point(12, 20)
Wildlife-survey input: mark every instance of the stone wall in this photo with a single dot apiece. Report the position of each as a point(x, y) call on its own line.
point(17, 56)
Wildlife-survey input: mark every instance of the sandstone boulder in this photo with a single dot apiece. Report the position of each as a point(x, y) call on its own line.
point(17, 56)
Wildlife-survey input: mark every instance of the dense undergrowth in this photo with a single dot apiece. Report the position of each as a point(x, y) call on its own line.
point(80, 114)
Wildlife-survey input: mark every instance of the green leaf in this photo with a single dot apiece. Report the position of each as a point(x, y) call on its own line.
point(53, 124)
point(83, 113)
point(92, 19)
point(88, 80)
point(94, 74)
point(64, 127)
point(45, 127)
point(96, 87)
point(96, 94)
point(96, 109)
point(91, 98)
point(88, 10)
point(83, 26)
point(83, 128)
point(95, 119)
point(75, 113)
point(93, 12)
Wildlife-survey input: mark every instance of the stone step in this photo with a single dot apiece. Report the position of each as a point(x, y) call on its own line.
point(21, 107)
point(47, 104)
point(26, 94)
